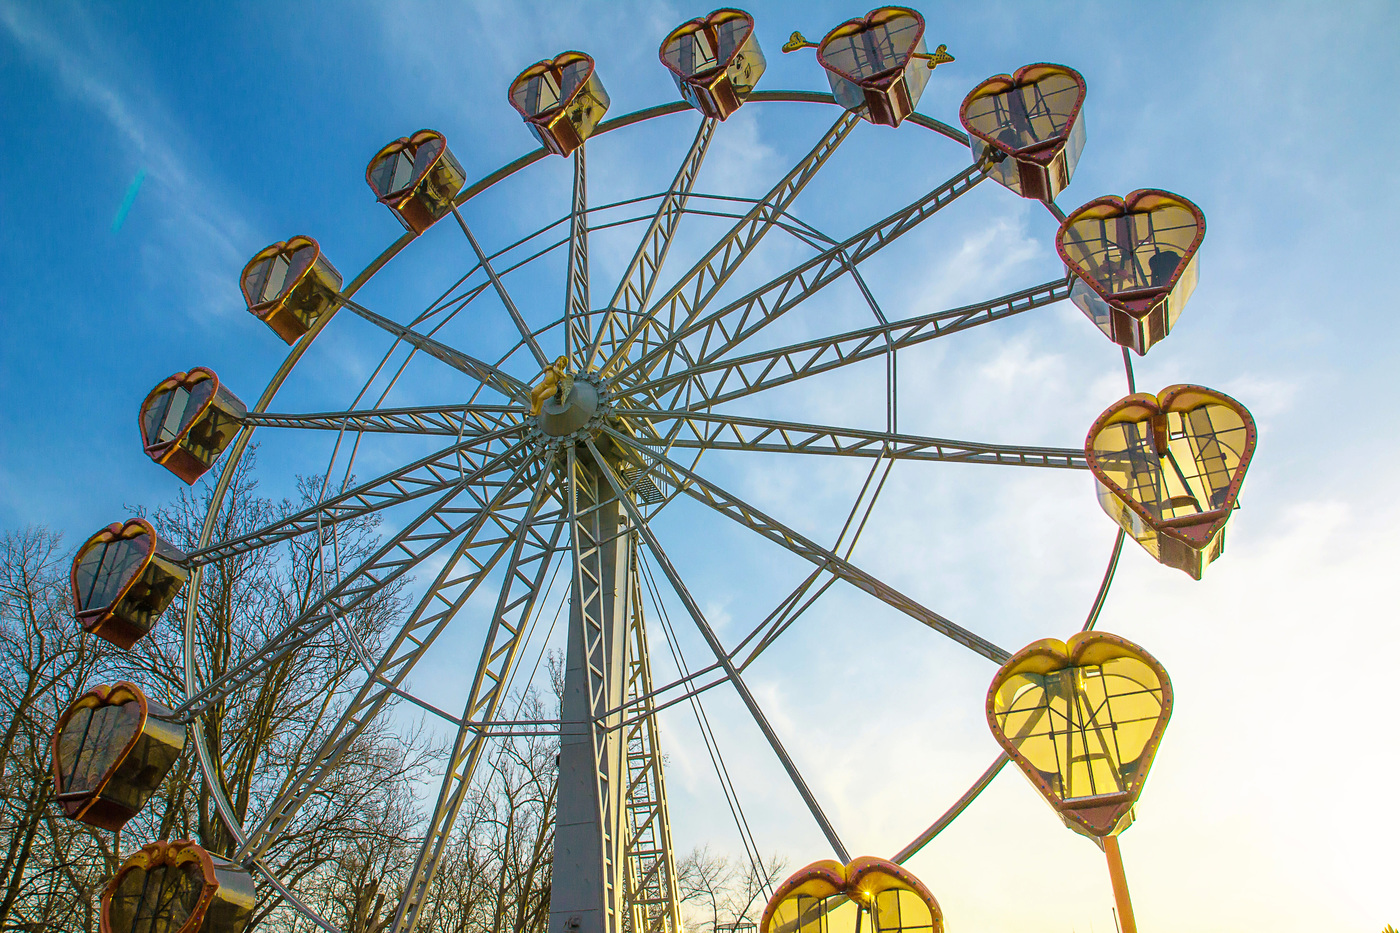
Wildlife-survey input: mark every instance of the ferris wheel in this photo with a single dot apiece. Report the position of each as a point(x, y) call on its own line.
point(574, 434)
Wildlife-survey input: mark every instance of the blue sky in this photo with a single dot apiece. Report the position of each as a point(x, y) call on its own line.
point(1272, 801)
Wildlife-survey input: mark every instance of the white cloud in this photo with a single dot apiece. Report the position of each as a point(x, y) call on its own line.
point(199, 245)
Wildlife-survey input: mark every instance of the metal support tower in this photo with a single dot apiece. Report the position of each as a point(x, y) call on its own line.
point(587, 887)
point(652, 899)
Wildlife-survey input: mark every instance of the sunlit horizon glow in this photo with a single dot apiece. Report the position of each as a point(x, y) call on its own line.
point(243, 128)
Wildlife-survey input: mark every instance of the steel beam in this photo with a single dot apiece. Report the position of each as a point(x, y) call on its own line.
point(687, 299)
point(736, 432)
point(586, 894)
point(442, 522)
point(578, 327)
point(524, 581)
point(653, 898)
point(756, 712)
point(738, 510)
point(432, 474)
point(482, 372)
point(633, 294)
point(525, 333)
point(715, 334)
point(461, 576)
point(464, 421)
point(708, 384)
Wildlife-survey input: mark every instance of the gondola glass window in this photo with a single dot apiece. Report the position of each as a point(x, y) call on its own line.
point(1134, 262)
point(416, 177)
point(1028, 128)
point(715, 61)
point(873, 64)
point(1169, 469)
point(178, 887)
point(188, 420)
point(868, 893)
point(1083, 720)
point(561, 99)
point(111, 751)
point(123, 578)
point(290, 285)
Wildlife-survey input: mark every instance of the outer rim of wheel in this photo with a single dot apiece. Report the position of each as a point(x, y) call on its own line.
point(206, 764)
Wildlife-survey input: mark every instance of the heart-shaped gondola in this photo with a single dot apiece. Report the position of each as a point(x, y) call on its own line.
point(416, 177)
point(1028, 127)
point(188, 420)
point(123, 578)
point(715, 61)
point(111, 750)
point(1169, 469)
point(832, 898)
point(1082, 719)
point(1134, 260)
point(178, 887)
point(289, 286)
point(872, 66)
point(562, 99)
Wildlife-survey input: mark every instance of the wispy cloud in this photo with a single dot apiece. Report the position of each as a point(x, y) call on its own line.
point(198, 233)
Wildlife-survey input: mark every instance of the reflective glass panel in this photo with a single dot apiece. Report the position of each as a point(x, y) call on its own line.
point(537, 93)
point(691, 53)
point(732, 33)
point(141, 772)
point(1021, 117)
point(1131, 251)
point(157, 901)
point(172, 411)
point(575, 73)
point(894, 910)
point(149, 597)
point(424, 157)
point(805, 913)
point(211, 435)
point(866, 53)
point(90, 742)
point(107, 566)
point(391, 172)
point(1083, 728)
point(271, 282)
point(1191, 474)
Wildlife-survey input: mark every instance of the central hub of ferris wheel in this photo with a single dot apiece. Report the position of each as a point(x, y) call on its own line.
point(576, 408)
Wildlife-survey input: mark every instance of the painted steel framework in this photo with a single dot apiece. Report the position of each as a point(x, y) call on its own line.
point(513, 495)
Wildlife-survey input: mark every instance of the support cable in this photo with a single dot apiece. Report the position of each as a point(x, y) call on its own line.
point(702, 720)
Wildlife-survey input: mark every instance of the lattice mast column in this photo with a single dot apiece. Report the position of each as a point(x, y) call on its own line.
point(587, 887)
point(653, 902)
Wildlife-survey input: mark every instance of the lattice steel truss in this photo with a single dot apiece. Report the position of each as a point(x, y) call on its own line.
point(509, 497)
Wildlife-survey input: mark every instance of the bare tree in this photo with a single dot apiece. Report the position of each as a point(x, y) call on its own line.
point(717, 893)
point(51, 868)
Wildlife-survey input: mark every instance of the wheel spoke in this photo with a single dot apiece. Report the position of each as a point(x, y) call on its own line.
point(534, 545)
point(634, 292)
point(688, 298)
point(455, 420)
point(710, 384)
point(715, 334)
point(437, 472)
point(444, 522)
point(455, 584)
point(693, 609)
point(484, 373)
point(792, 606)
point(737, 432)
point(578, 328)
point(504, 295)
point(738, 510)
